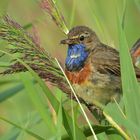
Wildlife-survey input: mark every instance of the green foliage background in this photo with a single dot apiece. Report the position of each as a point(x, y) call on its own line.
point(22, 101)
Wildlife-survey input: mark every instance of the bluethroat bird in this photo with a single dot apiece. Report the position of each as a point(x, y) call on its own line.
point(92, 67)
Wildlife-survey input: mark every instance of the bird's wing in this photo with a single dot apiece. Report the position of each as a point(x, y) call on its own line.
point(106, 60)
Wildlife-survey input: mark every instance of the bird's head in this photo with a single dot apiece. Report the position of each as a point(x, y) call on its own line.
point(81, 35)
point(81, 40)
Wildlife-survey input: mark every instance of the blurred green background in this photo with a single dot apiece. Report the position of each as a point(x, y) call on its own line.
point(19, 107)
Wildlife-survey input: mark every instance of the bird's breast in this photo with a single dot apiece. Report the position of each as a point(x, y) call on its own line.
point(79, 77)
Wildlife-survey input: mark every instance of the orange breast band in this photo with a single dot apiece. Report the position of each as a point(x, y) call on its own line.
point(80, 76)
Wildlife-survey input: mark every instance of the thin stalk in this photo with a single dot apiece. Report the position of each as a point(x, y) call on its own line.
point(116, 126)
point(94, 135)
point(73, 119)
point(120, 109)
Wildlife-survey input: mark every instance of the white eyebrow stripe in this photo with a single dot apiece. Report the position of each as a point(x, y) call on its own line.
point(74, 37)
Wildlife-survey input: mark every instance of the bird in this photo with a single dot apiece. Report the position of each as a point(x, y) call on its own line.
point(93, 68)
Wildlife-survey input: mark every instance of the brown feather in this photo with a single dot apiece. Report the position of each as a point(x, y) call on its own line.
point(105, 60)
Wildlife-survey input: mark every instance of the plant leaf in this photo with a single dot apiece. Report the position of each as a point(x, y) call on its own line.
point(4, 95)
point(35, 98)
point(21, 128)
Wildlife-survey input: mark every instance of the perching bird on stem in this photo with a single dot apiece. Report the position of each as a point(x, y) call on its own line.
point(93, 67)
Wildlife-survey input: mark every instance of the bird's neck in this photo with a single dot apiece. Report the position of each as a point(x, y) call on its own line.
point(91, 45)
point(76, 57)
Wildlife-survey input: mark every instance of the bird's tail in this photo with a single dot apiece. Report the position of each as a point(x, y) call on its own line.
point(135, 53)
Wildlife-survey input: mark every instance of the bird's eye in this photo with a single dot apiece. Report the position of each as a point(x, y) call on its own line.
point(82, 38)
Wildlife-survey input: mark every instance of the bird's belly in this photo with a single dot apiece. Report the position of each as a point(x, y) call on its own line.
point(100, 88)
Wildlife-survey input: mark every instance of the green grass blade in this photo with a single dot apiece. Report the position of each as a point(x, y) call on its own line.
point(117, 119)
point(23, 129)
point(11, 135)
point(94, 16)
point(102, 136)
point(14, 132)
point(4, 64)
point(4, 95)
point(34, 95)
point(8, 93)
point(131, 90)
point(72, 16)
point(131, 93)
point(130, 86)
point(59, 120)
point(73, 120)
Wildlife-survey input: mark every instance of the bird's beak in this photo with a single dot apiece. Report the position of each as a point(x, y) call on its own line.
point(67, 41)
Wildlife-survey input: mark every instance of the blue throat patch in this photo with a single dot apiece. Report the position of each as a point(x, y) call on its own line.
point(76, 57)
